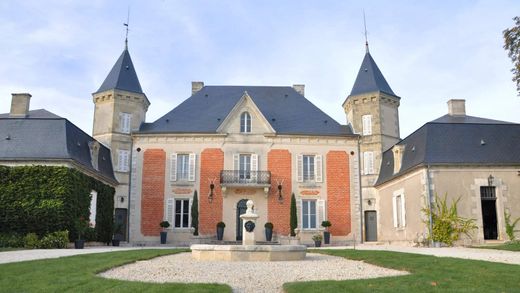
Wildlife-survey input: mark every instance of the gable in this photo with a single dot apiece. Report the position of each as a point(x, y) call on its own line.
point(259, 125)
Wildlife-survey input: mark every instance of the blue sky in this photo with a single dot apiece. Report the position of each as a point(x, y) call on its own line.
point(429, 52)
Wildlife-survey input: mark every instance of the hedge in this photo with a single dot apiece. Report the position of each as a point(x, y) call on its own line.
point(46, 199)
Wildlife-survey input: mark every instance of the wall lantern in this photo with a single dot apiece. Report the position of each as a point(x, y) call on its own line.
point(491, 180)
point(280, 197)
point(211, 188)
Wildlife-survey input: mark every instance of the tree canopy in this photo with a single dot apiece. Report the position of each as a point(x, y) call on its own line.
point(512, 45)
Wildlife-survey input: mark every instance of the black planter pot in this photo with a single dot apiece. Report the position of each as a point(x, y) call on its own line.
point(79, 244)
point(220, 233)
point(163, 237)
point(317, 243)
point(326, 237)
point(115, 242)
point(268, 234)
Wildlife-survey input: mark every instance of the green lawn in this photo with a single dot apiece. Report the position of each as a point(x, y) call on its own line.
point(78, 274)
point(428, 274)
point(511, 246)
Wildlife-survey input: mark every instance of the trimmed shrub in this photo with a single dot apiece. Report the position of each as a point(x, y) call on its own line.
point(58, 239)
point(11, 240)
point(90, 234)
point(31, 241)
point(195, 214)
point(45, 199)
point(293, 218)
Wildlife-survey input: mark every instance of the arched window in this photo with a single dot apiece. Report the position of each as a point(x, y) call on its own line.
point(245, 122)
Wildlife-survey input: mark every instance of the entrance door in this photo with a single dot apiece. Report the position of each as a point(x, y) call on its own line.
point(120, 218)
point(241, 209)
point(489, 212)
point(370, 226)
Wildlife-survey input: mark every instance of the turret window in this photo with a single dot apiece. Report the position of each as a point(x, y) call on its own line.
point(367, 124)
point(245, 122)
point(125, 120)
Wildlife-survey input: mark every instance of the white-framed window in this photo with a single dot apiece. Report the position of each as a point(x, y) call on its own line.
point(368, 163)
point(310, 168)
point(182, 167)
point(245, 166)
point(93, 208)
point(125, 120)
point(123, 160)
point(309, 217)
point(245, 122)
point(398, 207)
point(367, 124)
point(178, 212)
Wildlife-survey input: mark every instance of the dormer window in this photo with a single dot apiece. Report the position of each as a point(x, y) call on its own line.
point(245, 122)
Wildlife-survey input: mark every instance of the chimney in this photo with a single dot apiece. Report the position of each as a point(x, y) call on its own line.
point(20, 105)
point(299, 88)
point(457, 107)
point(196, 86)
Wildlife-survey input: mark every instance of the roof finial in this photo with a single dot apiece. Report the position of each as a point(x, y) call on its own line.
point(126, 24)
point(366, 33)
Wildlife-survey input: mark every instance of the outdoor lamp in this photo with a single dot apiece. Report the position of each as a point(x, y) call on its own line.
point(210, 196)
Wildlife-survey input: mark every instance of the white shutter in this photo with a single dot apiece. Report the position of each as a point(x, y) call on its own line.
point(299, 213)
point(126, 160)
point(173, 167)
point(189, 213)
point(119, 160)
point(254, 167)
point(322, 216)
point(318, 168)
point(365, 163)
point(300, 168)
point(403, 211)
point(191, 176)
point(236, 162)
point(122, 160)
point(169, 211)
point(367, 124)
point(371, 162)
point(394, 209)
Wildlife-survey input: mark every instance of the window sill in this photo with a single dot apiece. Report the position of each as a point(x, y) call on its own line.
point(182, 183)
point(310, 184)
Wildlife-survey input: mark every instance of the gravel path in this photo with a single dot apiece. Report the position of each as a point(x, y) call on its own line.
point(247, 276)
point(32, 254)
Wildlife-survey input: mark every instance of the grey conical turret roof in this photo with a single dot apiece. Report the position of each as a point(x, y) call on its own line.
point(370, 78)
point(122, 76)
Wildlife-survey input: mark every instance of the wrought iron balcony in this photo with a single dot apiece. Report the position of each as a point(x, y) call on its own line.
point(245, 178)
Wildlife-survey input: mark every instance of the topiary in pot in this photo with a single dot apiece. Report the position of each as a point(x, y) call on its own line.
point(220, 230)
point(164, 225)
point(326, 234)
point(268, 231)
point(317, 239)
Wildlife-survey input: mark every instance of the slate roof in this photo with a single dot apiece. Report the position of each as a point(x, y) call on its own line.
point(122, 76)
point(370, 78)
point(46, 136)
point(456, 140)
point(286, 110)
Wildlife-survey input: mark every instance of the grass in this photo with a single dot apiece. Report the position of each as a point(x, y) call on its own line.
point(511, 246)
point(427, 274)
point(78, 274)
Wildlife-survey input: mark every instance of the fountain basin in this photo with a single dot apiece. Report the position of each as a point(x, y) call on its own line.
point(248, 252)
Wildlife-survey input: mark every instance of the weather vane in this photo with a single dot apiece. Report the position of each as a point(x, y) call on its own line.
point(366, 33)
point(126, 24)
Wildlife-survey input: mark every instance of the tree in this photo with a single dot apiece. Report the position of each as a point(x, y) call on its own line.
point(195, 214)
point(293, 218)
point(512, 45)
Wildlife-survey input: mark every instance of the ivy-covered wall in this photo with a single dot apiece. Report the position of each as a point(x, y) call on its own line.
point(44, 199)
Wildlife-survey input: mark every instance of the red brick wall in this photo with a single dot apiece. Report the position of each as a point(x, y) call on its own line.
point(338, 192)
point(279, 163)
point(152, 197)
point(211, 163)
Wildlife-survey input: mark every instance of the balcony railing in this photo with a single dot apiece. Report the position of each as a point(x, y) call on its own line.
point(245, 178)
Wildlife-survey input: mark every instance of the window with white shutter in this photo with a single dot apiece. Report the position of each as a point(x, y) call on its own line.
point(169, 210)
point(125, 120)
point(123, 160)
point(173, 167)
point(367, 124)
point(318, 168)
point(192, 164)
point(399, 211)
point(368, 163)
point(182, 213)
point(322, 212)
point(300, 167)
point(309, 216)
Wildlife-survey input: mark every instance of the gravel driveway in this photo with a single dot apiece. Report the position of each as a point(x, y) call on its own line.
point(247, 276)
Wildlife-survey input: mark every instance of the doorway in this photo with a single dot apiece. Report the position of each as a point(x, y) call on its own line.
point(120, 221)
point(241, 209)
point(489, 212)
point(370, 226)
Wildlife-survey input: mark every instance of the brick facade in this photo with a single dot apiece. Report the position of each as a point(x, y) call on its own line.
point(152, 201)
point(211, 163)
point(279, 163)
point(338, 192)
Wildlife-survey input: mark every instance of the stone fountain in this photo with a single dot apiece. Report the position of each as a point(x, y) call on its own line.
point(249, 250)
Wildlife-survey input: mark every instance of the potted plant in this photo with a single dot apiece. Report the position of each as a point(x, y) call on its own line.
point(117, 234)
point(326, 234)
point(317, 239)
point(164, 225)
point(81, 225)
point(268, 231)
point(220, 230)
